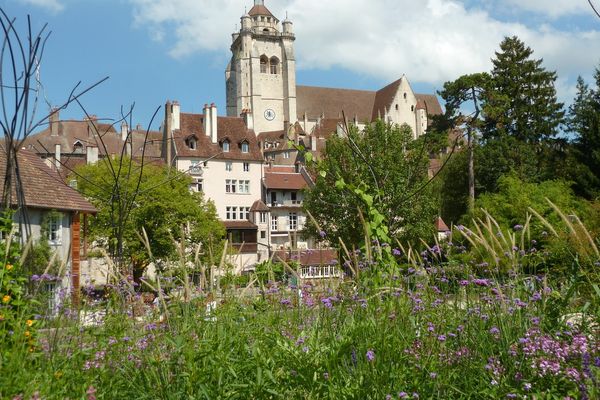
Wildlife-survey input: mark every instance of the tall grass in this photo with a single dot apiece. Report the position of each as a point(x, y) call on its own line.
point(464, 319)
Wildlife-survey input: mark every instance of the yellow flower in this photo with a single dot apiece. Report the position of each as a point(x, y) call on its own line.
point(6, 299)
point(27, 333)
point(9, 267)
point(29, 322)
point(58, 374)
point(1, 317)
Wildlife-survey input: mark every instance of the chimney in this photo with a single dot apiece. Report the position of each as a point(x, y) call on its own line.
point(57, 156)
point(176, 115)
point(91, 154)
point(167, 135)
point(248, 119)
point(213, 123)
point(207, 124)
point(54, 116)
point(124, 131)
point(92, 127)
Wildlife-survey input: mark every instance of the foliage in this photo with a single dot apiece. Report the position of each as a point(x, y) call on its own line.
point(510, 205)
point(584, 122)
point(522, 102)
point(13, 304)
point(436, 327)
point(165, 208)
point(40, 258)
point(380, 169)
point(453, 188)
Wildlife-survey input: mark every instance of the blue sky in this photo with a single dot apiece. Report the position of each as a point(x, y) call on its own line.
point(154, 50)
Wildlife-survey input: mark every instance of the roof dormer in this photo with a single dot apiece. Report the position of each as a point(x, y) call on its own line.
point(192, 142)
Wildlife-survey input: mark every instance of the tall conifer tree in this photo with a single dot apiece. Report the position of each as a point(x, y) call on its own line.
point(524, 103)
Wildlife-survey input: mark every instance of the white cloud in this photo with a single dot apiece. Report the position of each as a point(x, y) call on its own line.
point(51, 5)
point(430, 41)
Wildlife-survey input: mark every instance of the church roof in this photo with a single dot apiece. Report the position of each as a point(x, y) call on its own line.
point(432, 105)
point(384, 98)
point(260, 9)
point(317, 101)
point(365, 105)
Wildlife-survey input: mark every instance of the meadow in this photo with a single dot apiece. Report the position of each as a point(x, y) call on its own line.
point(485, 315)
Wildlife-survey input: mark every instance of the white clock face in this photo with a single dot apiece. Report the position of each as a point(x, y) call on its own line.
point(269, 114)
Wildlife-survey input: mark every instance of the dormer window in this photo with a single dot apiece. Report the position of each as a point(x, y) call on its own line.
point(78, 147)
point(245, 147)
point(191, 142)
point(226, 146)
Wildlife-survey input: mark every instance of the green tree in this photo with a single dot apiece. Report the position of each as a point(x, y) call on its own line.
point(164, 206)
point(584, 122)
point(522, 110)
point(510, 205)
point(387, 169)
point(468, 91)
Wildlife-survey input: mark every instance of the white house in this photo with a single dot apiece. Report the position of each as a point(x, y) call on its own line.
point(223, 157)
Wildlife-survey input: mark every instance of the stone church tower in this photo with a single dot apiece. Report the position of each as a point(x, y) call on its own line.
point(261, 76)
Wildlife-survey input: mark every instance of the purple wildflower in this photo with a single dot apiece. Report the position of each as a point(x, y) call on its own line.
point(370, 355)
point(91, 393)
point(322, 234)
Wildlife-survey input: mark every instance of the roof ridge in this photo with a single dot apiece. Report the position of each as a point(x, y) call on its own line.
point(336, 88)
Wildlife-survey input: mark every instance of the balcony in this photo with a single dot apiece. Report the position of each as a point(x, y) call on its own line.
point(196, 170)
point(319, 272)
point(287, 203)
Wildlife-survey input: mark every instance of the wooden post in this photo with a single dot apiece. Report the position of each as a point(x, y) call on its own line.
point(75, 257)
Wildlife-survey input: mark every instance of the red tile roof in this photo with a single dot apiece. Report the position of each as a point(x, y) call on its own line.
point(260, 9)
point(259, 206)
point(43, 187)
point(441, 226)
point(308, 257)
point(240, 225)
point(285, 181)
point(230, 128)
point(281, 168)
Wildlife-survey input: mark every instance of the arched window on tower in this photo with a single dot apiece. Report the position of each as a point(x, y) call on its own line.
point(264, 64)
point(274, 65)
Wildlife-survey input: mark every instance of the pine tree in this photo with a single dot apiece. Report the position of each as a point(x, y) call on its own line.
point(584, 122)
point(523, 104)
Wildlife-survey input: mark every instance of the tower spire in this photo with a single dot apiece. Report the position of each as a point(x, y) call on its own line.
point(259, 2)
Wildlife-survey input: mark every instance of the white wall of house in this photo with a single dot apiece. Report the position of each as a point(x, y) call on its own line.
point(214, 176)
point(61, 232)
